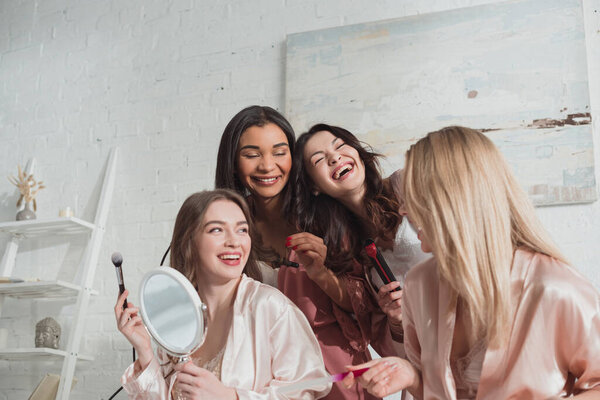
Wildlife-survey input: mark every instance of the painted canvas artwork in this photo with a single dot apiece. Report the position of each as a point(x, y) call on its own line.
point(516, 70)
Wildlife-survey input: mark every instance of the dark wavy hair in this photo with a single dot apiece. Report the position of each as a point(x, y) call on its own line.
point(185, 255)
point(324, 216)
point(226, 175)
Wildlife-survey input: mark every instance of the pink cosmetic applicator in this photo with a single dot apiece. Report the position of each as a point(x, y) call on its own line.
point(319, 381)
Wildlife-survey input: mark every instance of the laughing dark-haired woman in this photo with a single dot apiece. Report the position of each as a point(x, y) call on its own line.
point(341, 196)
point(255, 159)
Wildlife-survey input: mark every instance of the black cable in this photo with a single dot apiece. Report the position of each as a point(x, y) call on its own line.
point(165, 256)
point(121, 388)
point(115, 393)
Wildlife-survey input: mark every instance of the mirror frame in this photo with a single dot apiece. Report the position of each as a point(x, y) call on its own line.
point(200, 311)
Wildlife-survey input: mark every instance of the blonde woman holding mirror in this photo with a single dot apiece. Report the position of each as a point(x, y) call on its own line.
point(256, 341)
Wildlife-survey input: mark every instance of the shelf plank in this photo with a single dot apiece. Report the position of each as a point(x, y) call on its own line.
point(37, 354)
point(41, 289)
point(43, 227)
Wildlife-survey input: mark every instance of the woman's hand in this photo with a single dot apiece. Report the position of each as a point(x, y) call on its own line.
point(130, 325)
point(197, 383)
point(385, 376)
point(390, 301)
point(311, 253)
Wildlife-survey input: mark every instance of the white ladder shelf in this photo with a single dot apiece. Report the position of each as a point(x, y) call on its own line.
point(81, 291)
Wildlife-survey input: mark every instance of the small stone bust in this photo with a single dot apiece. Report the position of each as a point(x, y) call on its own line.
point(47, 333)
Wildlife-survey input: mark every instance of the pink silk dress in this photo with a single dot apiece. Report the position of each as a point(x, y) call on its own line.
point(342, 336)
point(554, 342)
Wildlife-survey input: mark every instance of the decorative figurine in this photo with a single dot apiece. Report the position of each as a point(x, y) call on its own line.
point(27, 188)
point(47, 333)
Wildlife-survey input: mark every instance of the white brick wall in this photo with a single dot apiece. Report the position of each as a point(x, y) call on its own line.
point(160, 79)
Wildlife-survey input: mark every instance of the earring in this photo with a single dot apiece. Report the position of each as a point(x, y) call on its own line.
point(315, 193)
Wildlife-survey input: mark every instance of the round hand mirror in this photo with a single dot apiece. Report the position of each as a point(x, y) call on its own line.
point(172, 311)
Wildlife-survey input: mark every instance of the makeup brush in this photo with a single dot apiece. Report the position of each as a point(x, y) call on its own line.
point(319, 381)
point(117, 260)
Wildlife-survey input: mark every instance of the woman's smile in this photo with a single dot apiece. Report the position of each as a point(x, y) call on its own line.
point(343, 171)
point(266, 180)
point(335, 168)
point(230, 258)
point(264, 160)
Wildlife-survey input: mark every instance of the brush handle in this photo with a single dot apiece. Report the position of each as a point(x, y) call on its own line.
point(357, 373)
point(318, 381)
point(121, 290)
point(386, 275)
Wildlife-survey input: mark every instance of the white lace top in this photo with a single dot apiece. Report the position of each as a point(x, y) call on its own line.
point(213, 365)
point(467, 371)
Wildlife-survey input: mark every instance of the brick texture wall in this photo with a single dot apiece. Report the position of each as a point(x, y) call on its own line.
point(160, 79)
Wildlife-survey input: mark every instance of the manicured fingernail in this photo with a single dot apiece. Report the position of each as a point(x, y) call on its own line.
point(295, 247)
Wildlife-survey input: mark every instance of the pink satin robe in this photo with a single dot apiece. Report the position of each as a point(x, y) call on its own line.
point(554, 342)
point(270, 344)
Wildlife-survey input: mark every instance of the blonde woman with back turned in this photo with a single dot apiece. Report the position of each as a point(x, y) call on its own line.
point(497, 313)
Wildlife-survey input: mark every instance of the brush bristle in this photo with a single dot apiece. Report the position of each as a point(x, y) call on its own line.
point(117, 258)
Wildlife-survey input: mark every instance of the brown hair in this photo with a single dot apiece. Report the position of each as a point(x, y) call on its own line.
point(324, 216)
point(184, 251)
point(226, 176)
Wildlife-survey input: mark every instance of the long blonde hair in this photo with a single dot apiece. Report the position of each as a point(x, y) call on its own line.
point(460, 191)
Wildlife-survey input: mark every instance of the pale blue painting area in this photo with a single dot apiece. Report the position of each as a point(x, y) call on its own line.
point(517, 69)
